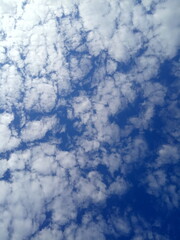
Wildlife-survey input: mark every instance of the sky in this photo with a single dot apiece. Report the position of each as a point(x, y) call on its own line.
point(89, 116)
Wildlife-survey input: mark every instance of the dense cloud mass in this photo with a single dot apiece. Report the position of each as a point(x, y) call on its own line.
point(89, 119)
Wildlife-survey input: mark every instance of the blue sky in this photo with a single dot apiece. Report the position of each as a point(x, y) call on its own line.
point(89, 120)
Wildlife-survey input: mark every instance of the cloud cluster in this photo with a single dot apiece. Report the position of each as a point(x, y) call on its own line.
point(80, 96)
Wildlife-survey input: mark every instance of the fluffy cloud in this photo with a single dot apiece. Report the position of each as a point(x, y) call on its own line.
point(34, 130)
point(8, 137)
point(79, 96)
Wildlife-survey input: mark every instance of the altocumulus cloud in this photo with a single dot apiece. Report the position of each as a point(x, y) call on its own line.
point(89, 137)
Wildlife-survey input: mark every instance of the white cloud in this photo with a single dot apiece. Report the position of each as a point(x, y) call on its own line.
point(111, 66)
point(10, 86)
point(7, 6)
point(4, 167)
point(66, 159)
point(5, 191)
point(43, 56)
point(40, 96)
point(166, 23)
point(48, 233)
point(135, 150)
point(157, 180)
point(64, 209)
point(122, 226)
point(82, 107)
point(34, 130)
point(89, 145)
point(90, 231)
point(91, 188)
point(119, 187)
point(160, 184)
point(168, 154)
point(8, 138)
